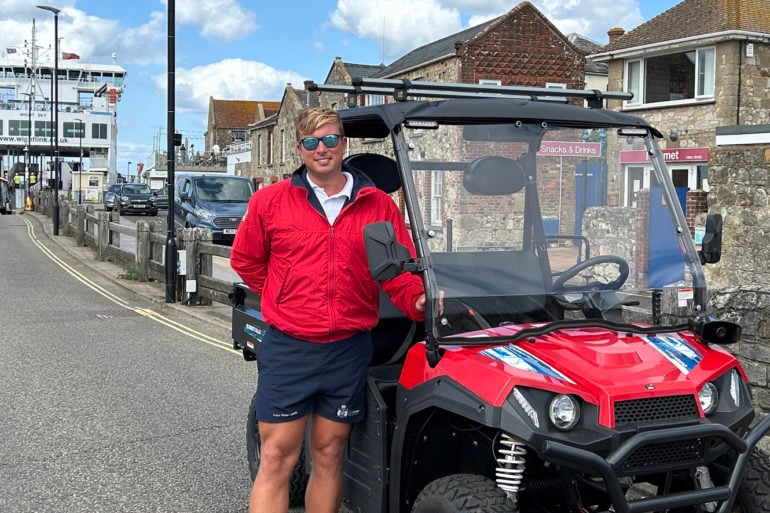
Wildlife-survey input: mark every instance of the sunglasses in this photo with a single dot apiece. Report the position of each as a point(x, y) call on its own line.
point(311, 143)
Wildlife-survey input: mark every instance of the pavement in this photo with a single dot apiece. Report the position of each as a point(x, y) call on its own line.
point(218, 313)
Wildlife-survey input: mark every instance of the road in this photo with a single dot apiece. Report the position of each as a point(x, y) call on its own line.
point(111, 402)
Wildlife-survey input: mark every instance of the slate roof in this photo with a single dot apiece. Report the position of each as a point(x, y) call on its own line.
point(692, 18)
point(306, 98)
point(432, 51)
point(362, 70)
point(240, 113)
point(588, 47)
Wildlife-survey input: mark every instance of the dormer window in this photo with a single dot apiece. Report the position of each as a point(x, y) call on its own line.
point(676, 78)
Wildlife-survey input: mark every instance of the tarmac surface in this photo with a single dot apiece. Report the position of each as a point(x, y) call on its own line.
point(217, 313)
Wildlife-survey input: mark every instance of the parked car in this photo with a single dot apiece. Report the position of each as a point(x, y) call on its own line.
point(110, 195)
point(215, 202)
point(5, 197)
point(160, 198)
point(134, 197)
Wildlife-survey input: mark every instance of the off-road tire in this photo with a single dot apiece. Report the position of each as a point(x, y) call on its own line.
point(462, 493)
point(298, 481)
point(755, 486)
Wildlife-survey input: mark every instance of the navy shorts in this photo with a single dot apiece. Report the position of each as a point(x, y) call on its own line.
point(296, 378)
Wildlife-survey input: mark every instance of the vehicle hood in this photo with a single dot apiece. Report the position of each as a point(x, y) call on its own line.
point(223, 208)
point(600, 365)
point(136, 195)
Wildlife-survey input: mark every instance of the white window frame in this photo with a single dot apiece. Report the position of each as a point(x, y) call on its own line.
point(436, 190)
point(705, 78)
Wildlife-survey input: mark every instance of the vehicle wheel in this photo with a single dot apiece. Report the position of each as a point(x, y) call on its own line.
point(298, 481)
point(462, 493)
point(755, 487)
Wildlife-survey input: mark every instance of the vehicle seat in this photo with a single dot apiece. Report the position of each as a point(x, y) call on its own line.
point(380, 169)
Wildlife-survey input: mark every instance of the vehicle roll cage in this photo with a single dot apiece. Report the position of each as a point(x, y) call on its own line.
point(403, 89)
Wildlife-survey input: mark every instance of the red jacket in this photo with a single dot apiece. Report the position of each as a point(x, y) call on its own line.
point(314, 278)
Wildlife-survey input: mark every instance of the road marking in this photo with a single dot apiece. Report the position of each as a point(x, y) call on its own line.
point(145, 312)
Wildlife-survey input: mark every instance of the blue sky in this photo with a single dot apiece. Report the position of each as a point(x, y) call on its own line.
point(249, 50)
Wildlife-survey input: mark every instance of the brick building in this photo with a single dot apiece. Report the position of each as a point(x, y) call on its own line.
point(229, 121)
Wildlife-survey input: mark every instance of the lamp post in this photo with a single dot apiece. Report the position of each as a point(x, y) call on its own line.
point(171, 251)
point(80, 163)
point(28, 147)
point(128, 171)
point(55, 133)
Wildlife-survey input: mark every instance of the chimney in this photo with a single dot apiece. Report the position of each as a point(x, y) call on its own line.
point(615, 33)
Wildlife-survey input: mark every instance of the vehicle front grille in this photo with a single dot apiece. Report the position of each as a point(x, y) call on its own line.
point(662, 456)
point(654, 409)
point(226, 222)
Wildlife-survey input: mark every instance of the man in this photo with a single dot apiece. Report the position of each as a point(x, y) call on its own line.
point(300, 246)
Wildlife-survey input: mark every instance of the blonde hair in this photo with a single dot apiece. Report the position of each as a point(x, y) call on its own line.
point(309, 120)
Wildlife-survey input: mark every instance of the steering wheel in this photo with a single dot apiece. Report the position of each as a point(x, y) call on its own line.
point(560, 284)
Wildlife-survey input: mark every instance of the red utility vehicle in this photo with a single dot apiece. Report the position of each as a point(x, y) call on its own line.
point(574, 367)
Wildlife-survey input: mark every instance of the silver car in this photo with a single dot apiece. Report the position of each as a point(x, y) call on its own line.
point(111, 197)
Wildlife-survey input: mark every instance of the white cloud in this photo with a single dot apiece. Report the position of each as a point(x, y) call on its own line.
point(229, 79)
point(403, 25)
point(397, 26)
point(224, 20)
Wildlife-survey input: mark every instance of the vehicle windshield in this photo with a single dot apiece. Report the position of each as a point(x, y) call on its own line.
point(534, 223)
point(136, 188)
point(223, 189)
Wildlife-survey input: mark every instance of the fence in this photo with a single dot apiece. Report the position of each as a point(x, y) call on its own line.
point(102, 231)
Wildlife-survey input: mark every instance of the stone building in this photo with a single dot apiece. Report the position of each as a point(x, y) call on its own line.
point(700, 72)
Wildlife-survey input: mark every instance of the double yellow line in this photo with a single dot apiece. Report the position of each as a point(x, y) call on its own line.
point(146, 312)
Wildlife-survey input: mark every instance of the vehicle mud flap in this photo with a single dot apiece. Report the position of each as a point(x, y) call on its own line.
point(366, 461)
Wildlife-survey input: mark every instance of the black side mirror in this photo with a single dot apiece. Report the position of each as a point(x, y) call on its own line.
point(183, 195)
point(386, 256)
point(711, 247)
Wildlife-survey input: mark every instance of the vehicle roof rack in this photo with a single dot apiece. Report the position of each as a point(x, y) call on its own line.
point(403, 89)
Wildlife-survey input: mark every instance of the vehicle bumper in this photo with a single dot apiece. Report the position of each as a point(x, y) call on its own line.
point(610, 469)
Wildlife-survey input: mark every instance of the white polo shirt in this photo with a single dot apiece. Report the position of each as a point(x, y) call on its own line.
point(334, 203)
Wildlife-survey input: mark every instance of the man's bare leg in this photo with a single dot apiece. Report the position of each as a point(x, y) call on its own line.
point(327, 448)
point(279, 451)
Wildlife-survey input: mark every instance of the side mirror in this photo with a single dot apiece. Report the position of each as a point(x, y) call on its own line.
point(711, 247)
point(386, 256)
point(184, 196)
point(713, 331)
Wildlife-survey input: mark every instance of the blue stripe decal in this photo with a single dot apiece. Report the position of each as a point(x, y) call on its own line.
point(518, 358)
point(678, 351)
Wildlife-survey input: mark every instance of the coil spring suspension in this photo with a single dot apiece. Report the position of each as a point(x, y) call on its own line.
point(510, 465)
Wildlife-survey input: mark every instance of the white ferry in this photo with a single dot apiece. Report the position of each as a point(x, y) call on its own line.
point(87, 100)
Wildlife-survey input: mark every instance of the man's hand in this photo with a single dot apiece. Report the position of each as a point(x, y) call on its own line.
point(420, 304)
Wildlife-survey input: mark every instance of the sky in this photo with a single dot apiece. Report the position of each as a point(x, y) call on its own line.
point(250, 50)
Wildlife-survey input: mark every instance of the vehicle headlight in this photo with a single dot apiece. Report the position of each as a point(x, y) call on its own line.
point(564, 412)
point(125, 199)
point(203, 214)
point(709, 398)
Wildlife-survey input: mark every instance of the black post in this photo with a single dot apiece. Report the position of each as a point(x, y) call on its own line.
point(171, 251)
point(55, 127)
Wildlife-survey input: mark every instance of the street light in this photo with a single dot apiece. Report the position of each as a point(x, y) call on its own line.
point(55, 133)
point(28, 148)
point(80, 164)
point(128, 171)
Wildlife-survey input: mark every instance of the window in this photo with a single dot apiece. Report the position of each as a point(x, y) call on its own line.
point(74, 129)
point(1, 127)
point(676, 77)
point(375, 99)
point(43, 128)
point(98, 130)
point(85, 98)
point(239, 135)
point(283, 145)
point(93, 181)
point(436, 187)
point(18, 127)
